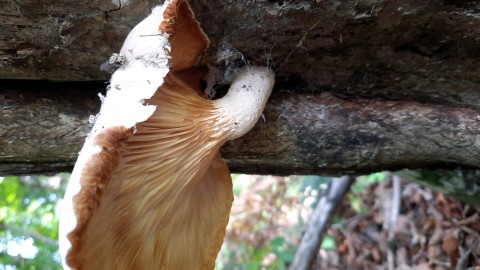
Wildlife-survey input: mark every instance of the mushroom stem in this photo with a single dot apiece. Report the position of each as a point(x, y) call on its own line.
point(246, 98)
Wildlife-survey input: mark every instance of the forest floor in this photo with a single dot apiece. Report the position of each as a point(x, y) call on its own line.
point(421, 229)
point(380, 225)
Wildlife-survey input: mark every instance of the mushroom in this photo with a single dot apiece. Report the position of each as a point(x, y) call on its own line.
point(150, 189)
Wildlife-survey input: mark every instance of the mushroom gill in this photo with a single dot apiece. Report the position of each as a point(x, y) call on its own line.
point(150, 189)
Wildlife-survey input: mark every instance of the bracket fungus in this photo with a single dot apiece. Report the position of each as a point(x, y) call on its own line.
point(150, 189)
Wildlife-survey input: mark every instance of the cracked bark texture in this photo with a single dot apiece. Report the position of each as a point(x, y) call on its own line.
point(300, 133)
point(361, 85)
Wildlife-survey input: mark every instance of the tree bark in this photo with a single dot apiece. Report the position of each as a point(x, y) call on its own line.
point(427, 51)
point(43, 129)
point(361, 85)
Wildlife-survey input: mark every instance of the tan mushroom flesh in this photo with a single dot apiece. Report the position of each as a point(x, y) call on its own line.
point(150, 189)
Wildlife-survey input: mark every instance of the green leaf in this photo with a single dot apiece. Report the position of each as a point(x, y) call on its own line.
point(278, 241)
point(328, 243)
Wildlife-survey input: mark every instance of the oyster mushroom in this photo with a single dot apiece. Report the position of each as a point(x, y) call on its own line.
point(150, 189)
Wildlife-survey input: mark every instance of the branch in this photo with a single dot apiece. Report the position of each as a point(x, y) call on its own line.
point(42, 130)
point(321, 216)
point(33, 234)
point(390, 222)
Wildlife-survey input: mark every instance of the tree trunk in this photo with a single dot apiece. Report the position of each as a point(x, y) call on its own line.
point(361, 85)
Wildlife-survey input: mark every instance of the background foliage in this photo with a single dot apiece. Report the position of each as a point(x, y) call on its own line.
point(29, 221)
point(267, 220)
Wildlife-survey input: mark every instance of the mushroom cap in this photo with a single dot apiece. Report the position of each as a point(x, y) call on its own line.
point(150, 189)
point(170, 192)
point(148, 59)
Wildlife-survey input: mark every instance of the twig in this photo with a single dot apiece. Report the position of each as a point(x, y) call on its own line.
point(470, 231)
point(461, 264)
point(473, 219)
point(33, 234)
point(396, 201)
point(308, 249)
